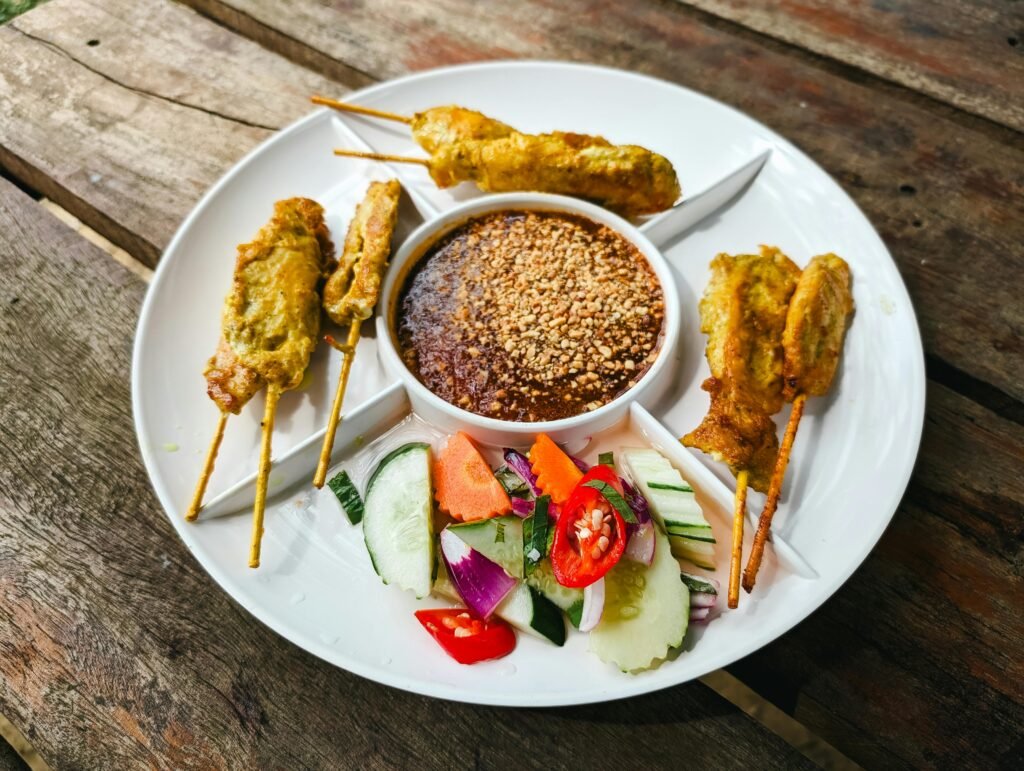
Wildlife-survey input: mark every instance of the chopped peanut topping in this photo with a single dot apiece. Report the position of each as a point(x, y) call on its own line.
point(530, 316)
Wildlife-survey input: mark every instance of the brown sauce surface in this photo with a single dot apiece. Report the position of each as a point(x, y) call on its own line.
point(530, 316)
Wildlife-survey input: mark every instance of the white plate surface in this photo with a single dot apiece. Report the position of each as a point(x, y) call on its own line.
point(853, 454)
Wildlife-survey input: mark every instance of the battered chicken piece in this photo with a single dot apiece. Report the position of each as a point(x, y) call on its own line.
point(441, 126)
point(230, 383)
point(815, 327)
point(271, 316)
point(627, 179)
point(352, 290)
point(743, 313)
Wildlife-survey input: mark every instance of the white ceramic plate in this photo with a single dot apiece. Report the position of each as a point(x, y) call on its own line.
point(852, 459)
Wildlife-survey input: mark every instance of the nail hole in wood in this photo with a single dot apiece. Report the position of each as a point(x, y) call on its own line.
point(1013, 41)
point(93, 43)
point(908, 189)
point(917, 223)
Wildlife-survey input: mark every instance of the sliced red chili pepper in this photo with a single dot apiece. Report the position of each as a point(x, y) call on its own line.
point(467, 639)
point(590, 535)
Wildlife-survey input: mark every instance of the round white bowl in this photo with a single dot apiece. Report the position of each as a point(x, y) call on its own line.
point(492, 431)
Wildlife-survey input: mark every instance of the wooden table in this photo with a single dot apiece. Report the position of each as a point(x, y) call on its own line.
point(117, 650)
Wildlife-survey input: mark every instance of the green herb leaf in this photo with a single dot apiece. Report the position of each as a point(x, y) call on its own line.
point(663, 486)
point(499, 532)
point(611, 495)
point(606, 459)
point(348, 496)
point(535, 535)
point(575, 613)
point(513, 484)
point(698, 584)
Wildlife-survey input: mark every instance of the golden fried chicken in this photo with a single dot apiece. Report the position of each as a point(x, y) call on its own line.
point(450, 124)
point(352, 290)
point(743, 313)
point(815, 326)
point(230, 383)
point(271, 316)
point(628, 179)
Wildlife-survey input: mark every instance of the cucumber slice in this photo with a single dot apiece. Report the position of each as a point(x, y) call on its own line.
point(700, 553)
point(348, 496)
point(673, 504)
point(525, 608)
point(500, 539)
point(693, 532)
point(398, 519)
point(568, 599)
point(646, 611)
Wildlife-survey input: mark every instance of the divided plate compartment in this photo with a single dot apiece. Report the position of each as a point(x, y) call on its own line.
point(303, 523)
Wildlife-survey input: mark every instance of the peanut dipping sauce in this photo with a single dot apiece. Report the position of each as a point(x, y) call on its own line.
point(530, 316)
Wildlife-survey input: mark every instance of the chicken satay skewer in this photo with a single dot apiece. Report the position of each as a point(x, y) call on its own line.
point(468, 146)
point(204, 476)
point(269, 324)
point(812, 342)
point(351, 292)
point(743, 313)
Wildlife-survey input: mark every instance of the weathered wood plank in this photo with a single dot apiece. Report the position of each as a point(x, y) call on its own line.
point(937, 190)
point(118, 651)
point(125, 113)
point(929, 633)
point(969, 53)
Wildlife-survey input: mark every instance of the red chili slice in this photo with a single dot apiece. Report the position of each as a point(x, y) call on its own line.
point(467, 639)
point(590, 535)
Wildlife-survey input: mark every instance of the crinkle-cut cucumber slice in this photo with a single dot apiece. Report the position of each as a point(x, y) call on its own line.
point(646, 611)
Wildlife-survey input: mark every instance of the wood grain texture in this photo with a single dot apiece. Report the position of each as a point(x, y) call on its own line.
point(947, 198)
point(124, 113)
point(969, 53)
point(117, 651)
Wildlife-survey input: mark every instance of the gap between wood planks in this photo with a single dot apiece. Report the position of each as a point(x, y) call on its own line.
point(721, 682)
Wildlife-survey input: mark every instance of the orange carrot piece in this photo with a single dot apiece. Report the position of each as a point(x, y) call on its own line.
point(556, 474)
point(466, 488)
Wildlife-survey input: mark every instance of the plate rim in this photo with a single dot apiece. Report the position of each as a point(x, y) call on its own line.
point(630, 685)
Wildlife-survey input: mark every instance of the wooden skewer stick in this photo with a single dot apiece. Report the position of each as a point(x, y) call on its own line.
point(349, 351)
point(771, 502)
point(204, 476)
point(738, 515)
point(345, 107)
point(273, 393)
point(382, 157)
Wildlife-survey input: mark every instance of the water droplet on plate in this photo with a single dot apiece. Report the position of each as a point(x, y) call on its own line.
point(297, 598)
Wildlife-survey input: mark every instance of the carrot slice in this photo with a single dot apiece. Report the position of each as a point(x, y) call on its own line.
point(466, 488)
point(556, 474)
